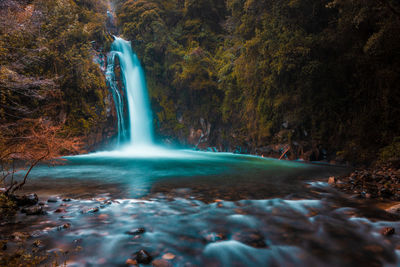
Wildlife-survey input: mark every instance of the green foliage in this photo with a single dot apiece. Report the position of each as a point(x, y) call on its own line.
point(326, 70)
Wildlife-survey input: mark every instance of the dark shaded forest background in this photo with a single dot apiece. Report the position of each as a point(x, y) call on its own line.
point(321, 77)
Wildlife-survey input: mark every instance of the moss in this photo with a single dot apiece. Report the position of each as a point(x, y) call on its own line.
point(391, 153)
point(8, 207)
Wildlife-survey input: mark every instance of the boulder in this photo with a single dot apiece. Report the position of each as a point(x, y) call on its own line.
point(142, 256)
point(26, 200)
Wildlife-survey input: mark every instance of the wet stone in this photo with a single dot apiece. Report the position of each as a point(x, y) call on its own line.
point(64, 226)
point(91, 210)
point(52, 199)
point(251, 238)
point(34, 210)
point(387, 231)
point(96, 209)
point(142, 256)
point(66, 200)
point(105, 204)
point(136, 231)
point(59, 210)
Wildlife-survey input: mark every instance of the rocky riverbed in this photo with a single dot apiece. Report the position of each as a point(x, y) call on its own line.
point(325, 229)
point(381, 183)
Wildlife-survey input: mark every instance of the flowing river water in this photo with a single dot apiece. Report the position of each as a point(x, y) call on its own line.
point(204, 209)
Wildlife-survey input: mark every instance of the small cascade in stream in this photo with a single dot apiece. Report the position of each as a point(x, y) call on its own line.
point(135, 129)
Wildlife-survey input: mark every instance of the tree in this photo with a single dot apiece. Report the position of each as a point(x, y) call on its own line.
point(27, 143)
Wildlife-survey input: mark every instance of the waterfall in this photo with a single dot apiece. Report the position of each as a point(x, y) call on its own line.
point(135, 129)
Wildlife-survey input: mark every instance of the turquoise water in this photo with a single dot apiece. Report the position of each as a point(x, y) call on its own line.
point(133, 174)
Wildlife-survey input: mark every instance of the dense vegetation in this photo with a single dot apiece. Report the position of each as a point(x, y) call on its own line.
point(314, 74)
point(53, 96)
point(47, 67)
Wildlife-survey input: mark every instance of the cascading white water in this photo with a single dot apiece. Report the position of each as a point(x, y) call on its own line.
point(138, 131)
